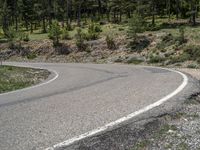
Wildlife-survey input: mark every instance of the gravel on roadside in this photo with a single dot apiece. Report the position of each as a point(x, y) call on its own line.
point(181, 130)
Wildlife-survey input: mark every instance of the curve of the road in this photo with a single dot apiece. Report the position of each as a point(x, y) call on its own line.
point(80, 100)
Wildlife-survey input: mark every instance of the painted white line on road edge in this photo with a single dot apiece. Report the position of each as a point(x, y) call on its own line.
point(126, 118)
point(35, 86)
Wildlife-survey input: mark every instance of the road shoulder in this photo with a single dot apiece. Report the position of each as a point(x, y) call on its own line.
point(128, 134)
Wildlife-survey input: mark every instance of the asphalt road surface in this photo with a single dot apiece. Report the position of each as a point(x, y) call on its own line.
point(80, 98)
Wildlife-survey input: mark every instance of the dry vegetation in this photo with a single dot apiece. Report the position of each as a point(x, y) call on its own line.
point(13, 78)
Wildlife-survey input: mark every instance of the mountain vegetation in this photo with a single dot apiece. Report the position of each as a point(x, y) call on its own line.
point(133, 31)
point(31, 14)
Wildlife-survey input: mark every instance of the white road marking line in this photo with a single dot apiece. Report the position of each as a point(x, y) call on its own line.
point(35, 86)
point(126, 118)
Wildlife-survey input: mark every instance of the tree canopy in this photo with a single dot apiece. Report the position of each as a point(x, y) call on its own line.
point(33, 13)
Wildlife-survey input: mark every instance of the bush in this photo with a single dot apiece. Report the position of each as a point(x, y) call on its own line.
point(139, 44)
point(156, 59)
point(178, 59)
point(31, 55)
point(182, 35)
point(70, 27)
point(93, 32)
point(121, 29)
point(134, 60)
point(193, 66)
point(136, 25)
point(98, 28)
point(80, 42)
point(62, 49)
point(110, 42)
point(11, 45)
point(193, 52)
point(167, 40)
point(55, 33)
point(151, 27)
point(10, 34)
point(198, 60)
point(65, 35)
point(24, 37)
point(102, 23)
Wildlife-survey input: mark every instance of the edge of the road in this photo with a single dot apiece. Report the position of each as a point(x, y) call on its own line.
point(96, 133)
point(104, 136)
point(52, 77)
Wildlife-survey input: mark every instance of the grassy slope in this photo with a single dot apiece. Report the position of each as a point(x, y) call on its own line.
point(13, 78)
point(168, 54)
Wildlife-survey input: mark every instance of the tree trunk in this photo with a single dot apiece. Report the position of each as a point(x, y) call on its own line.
point(99, 9)
point(193, 11)
point(79, 14)
point(169, 9)
point(68, 22)
point(120, 16)
point(153, 12)
point(49, 12)
point(31, 27)
point(16, 23)
point(44, 25)
point(177, 9)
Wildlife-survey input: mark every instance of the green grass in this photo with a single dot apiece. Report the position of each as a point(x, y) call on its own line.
point(38, 36)
point(13, 78)
point(182, 146)
point(141, 145)
point(114, 29)
point(163, 131)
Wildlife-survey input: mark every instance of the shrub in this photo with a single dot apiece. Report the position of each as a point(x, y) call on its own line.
point(10, 34)
point(55, 33)
point(193, 51)
point(65, 35)
point(93, 32)
point(110, 42)
point(70, 27)
point(11, 45)
point(24, 37)
point(166, 41)
point(193, 66)
point(139, 44)
point(118, 60)
point(156, 59)
point(102, 22)
point(178, 59)
point(80, 42)
point(150, 27)
point(182, 35)
point(198, 60)
point(31, 55)
point(136, 25)
point(98, 28)
point(62, 49)
point(121, 29)
point(134, 60)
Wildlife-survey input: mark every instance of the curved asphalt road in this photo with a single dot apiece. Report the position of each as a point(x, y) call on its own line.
point(82, 98)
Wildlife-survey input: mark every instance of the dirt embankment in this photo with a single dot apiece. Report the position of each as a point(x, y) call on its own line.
point(97, 51)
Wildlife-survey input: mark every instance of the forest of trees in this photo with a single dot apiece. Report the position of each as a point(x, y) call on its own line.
point(31, 14)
